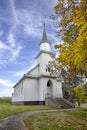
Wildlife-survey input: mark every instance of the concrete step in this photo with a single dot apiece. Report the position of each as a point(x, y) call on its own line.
point(59, 103)
point(65, 103)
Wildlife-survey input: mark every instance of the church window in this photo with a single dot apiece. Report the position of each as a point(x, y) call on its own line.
point(48, 69)
point(49, 83)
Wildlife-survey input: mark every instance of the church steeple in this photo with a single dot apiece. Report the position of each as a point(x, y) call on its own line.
point(44, 45)
point(44, 36)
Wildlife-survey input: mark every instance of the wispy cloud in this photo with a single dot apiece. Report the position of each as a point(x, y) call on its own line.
point(14, 11)
point(11, 40)
point(15, 53)
point(12, 49)
point(3, 49)
point(6, 83)
point(30, 22)
point(33, 23)
point(10, 45)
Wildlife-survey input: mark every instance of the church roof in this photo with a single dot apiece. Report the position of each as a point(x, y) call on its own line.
point(52, 54)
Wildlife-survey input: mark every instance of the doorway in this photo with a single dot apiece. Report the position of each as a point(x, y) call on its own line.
point(49, 88)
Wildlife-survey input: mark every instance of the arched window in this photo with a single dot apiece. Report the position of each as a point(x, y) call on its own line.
point(49, 92)
point(49, 83)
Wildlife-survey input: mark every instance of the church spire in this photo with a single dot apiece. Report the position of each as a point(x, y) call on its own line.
point(44, 36)
point(44, 44)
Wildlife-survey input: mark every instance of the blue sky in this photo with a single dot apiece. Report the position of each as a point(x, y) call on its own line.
point(21, 26)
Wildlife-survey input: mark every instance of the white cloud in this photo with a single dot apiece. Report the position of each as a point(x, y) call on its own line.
point(11, 40)
point(3, 50)
point(6, 83)
point(32, 31)
point(30, 22)
point(15, 53)
point(12, 48)
point(4, 46)
point(13, 11)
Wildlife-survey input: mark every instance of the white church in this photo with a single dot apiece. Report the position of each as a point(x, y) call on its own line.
point(37, 87)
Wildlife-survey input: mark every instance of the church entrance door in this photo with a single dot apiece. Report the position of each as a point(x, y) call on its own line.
point(49, 88)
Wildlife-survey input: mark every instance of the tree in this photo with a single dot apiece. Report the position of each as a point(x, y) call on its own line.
point(68, 77)
point(73, 52)
point(80, 45)
point(80, 94)
point(71, 21)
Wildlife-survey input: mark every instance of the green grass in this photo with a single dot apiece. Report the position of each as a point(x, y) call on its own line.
point(62, 120)
point(5, 100)
point(8, 109)
point(80, 113)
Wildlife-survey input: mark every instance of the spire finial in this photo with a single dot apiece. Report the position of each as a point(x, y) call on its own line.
point(44, 25)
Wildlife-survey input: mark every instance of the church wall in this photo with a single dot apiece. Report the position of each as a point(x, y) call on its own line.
point(18, 94)
point(34, 71)
point(31, 90)
point(41, 89)
point(39, 61)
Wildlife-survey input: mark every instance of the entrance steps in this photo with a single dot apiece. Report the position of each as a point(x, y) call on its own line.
point(59, 103)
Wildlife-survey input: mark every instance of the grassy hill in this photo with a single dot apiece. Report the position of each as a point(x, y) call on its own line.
point(5, 100)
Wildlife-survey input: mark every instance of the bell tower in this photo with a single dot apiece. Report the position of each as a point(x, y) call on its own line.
point(44, 45)
point(44, 55)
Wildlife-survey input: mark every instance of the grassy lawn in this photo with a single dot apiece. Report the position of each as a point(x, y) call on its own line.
point(8, 109)
point(62, 120)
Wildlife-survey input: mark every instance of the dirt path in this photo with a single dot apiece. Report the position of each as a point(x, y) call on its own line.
point(16, 122)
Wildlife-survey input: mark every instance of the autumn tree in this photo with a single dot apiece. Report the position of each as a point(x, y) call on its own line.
point(71, 23)
point(80, 94)
point(73, 29)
